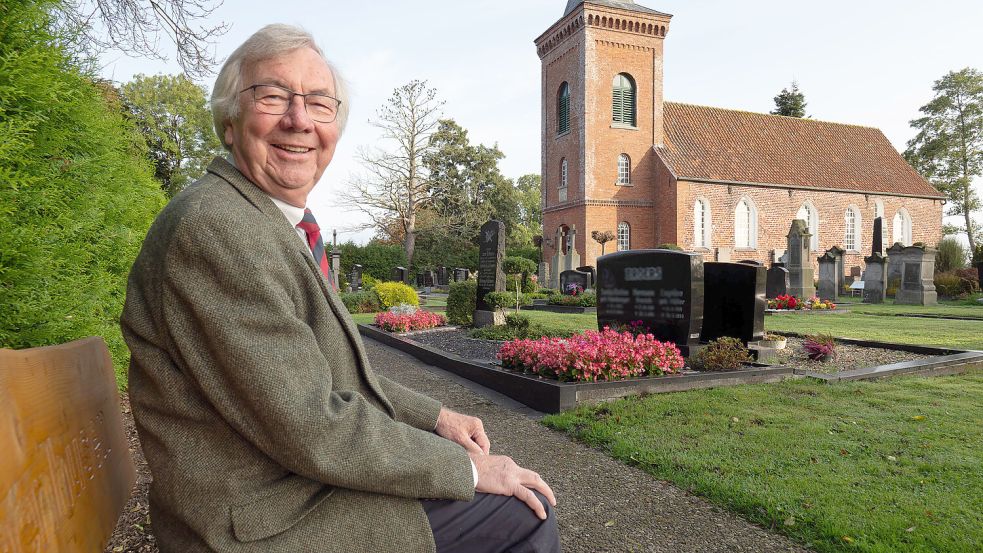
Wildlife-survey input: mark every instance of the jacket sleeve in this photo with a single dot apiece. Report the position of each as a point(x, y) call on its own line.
point(234, 329)
point(413, 408)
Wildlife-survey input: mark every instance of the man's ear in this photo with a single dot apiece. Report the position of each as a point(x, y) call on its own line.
point(228, 134)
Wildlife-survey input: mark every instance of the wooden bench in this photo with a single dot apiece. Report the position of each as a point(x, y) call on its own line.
point(65, 467)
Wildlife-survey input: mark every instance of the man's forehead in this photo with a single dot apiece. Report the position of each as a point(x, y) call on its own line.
point(303, 65)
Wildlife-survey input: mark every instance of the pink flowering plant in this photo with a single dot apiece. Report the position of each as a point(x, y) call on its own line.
point(592, 356)
point(405, 322)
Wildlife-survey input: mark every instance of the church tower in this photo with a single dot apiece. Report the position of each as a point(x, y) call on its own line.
point(602, 114)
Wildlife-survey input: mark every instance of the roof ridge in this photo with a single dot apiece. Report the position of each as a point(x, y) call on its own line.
point(810, 119)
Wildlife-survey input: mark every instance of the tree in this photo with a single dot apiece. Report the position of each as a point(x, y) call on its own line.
point(948, 149)
point(602, 237)
point(790, 103)
point(172, 113)
point(135, 27)
point(396, 188)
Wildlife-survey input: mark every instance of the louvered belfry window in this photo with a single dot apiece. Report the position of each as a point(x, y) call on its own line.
point(623, 100)
point(563, 109)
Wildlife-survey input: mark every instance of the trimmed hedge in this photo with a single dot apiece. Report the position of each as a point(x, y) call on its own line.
point(461, 302)
point(394, 293)
point(363, 301)
point(77, 193)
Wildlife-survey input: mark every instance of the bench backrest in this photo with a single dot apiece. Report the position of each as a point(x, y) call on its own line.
point(65, 468)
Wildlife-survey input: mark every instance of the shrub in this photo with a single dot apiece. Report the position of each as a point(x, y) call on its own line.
point(723, 354)
point(819, 347)
point(978, 255)
point(395, 293)
point(951, 255)
point(517, 326)
point(461, 302)
point(592, 356)
point(971, 276)
point(377, 260)
point(529, 252)
point(953, 285)
point(585, 299)
point(669, 246)
point(368, 282)
point(500, 300)
point(363, 301)
point(77, 193)
point(539, 295)
point(405, 322)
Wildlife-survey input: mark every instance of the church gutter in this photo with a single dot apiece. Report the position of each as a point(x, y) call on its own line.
point(798, 187)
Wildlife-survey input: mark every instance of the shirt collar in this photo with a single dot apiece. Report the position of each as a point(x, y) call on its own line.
point(293, 213)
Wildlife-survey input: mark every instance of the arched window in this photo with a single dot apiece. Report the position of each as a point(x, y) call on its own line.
point(701, 224)
point(809, 214)
point(624, 236)
point(563, 109)
point(745, 224)
point(623, 100)
point(624, 169)
point(852, 226)
point(563, 180)
point(902, 227)
point(879, 212)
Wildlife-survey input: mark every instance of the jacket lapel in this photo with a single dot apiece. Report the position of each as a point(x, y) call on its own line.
point(227, 172)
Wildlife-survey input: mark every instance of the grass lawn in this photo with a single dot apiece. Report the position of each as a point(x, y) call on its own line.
point(890, 465)
point(946, 308)
point(902, 330)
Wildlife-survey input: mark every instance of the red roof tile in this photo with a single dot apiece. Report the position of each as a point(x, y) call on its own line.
point(728, 145)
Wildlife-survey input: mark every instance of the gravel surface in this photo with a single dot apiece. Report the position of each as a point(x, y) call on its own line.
point(848, 356)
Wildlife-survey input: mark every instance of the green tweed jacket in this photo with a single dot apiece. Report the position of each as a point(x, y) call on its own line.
point(264, 426)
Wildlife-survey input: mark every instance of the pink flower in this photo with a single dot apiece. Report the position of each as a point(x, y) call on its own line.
point(419, 320)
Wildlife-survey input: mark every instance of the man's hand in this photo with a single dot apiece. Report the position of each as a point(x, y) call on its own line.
point(464, 430)
point(500, 475)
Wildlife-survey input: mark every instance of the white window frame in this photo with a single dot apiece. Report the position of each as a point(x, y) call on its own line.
point(812, 223)
point(624, 170)
point(852, 229)
point(701, 223)
point(564, 174)
point(902, 227)
point(748, 239)
point(624, 236)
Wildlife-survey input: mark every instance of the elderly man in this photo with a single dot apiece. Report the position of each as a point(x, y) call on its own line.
point(265, 428)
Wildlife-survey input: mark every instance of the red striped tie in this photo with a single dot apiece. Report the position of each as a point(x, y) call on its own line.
point(309, 225)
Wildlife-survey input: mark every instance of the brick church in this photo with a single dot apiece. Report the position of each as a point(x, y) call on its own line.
point(722, 182)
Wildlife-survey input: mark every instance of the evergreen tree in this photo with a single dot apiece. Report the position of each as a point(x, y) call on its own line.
point(790, 103)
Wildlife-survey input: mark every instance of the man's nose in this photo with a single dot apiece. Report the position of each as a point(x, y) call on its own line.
point(296, 116)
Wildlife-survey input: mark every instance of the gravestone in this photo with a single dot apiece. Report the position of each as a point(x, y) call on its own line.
point(855, 274)
point(827, 276)
point(776, 258)
point(800, 274)
point(491, 250)
point(461, 274)
point(840, 255)
point(335, 260)
point(419, 279)
point(777, 284)
point(355, 277)
point(723, 254)
point(400, 274)
point(580, 278)
point(734, 301)
point(875, 273)
point(429, 279)
point(918, 277)
point(593, 274)
point(661, 290)
point(544, 274)
point(895, 263)
point(442, 276)
point(565, 256)
point(751, 262)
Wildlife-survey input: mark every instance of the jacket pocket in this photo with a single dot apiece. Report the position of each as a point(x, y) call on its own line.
point(277, 512)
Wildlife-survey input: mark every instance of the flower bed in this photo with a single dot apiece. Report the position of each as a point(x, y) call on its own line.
point(592, 356)
point(405, 322)
point(786, 302)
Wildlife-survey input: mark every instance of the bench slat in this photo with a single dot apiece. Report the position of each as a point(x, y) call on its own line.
point(65, 468)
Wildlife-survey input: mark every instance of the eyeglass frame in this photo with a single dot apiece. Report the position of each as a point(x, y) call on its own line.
point(291, 99)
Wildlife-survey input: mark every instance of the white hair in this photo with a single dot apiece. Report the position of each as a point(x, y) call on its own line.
point(269, 42)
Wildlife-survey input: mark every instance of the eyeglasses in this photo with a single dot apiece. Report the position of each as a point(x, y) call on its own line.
point(275, 100)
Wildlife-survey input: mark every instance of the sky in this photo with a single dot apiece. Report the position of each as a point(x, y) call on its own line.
point(863, 62)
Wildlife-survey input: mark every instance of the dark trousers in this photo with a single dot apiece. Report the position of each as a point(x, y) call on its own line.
point(491, 524)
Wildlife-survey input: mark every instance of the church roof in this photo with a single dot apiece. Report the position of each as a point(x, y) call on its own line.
point(620, 4)
point(705, 143)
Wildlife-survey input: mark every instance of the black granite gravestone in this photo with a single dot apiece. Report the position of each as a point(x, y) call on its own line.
point(400, 274)
point(461, 274)
point(568, 278)
point(734, 301)
point(429, 279)
point(419, 279)
point(442, 276)
point(593, 274)
point(877, 241)
point(660, 290)
point(777, 284)
point(751, 262)
point(491, 250)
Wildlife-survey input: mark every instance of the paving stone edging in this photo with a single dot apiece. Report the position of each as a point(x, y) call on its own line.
point(550, 396)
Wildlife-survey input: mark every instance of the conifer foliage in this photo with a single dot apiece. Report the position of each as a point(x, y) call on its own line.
point(790, 103)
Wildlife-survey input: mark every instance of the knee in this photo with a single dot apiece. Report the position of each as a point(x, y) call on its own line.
point(547, 535)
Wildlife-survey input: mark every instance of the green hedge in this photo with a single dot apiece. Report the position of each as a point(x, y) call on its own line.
point(377, 260)
point(461, 302)
point(77, 193)
point(363, 301)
